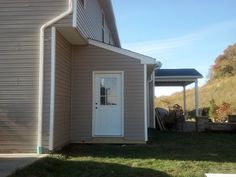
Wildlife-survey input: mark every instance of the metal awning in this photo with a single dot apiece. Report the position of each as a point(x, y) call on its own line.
point(176, 77)
point(179, 77)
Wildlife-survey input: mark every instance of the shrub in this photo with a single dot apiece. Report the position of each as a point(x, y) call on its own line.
point(212, 110)
point(222, 112)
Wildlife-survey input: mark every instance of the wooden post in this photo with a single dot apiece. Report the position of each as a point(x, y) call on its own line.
point(184, 101)
point(196, 98)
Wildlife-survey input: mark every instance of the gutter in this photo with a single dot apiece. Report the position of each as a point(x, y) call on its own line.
point(158, 65)
point(41, 73)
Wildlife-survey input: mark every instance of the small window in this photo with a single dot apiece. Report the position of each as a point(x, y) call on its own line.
point(83, 2)
point(103, 27)
point(108, 91)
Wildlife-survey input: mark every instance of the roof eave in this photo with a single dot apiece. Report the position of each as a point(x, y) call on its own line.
point(176, 77)
point(143, 58)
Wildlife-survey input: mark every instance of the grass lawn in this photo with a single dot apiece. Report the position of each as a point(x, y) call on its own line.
point(167, 154)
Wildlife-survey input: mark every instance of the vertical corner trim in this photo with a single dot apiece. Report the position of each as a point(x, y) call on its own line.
point(145, 103)
point(74, 21)
point(52, 89)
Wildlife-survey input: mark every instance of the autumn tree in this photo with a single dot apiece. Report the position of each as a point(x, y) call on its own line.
point(225, 64)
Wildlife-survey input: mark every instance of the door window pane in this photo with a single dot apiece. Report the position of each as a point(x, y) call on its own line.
point(108, 91)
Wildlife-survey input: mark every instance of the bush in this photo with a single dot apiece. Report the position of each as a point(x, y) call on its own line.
point(212, 110)
point(222, 112)
point(219, 113)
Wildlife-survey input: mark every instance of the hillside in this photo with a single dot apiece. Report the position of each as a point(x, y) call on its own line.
point(222, 90)
point(221, 85)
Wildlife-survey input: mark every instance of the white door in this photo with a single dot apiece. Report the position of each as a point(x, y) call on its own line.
point(107, 120)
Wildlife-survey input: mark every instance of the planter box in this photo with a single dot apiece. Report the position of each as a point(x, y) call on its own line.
point(222, 127)
point(202, 123)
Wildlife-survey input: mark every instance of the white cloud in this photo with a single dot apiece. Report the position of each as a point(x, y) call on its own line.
point(161, 46)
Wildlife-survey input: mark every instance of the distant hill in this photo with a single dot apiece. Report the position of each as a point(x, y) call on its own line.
point(219, 89)
point(221, 85)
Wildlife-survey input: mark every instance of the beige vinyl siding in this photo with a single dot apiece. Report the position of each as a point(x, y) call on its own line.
point(62, 92)
point(85, 60)
point(89, 20)
point(65, 22)
point(151, 105)
point(20, 21)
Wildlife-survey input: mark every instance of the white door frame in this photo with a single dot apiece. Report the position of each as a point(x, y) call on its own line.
point(93, 100)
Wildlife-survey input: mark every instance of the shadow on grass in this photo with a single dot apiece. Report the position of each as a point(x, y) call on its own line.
point(54, 167)
point(214, 147)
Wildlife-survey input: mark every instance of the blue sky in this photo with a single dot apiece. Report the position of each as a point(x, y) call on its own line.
point(179, 33)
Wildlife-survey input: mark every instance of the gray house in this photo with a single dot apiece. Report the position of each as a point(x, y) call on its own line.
point(64, 77)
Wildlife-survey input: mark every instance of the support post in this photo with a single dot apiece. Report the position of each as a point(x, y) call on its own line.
point(184, 101)
point(196, 98)
point(148, 106)
point(153, 79)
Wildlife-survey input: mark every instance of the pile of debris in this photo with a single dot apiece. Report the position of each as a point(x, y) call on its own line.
point(171, 120)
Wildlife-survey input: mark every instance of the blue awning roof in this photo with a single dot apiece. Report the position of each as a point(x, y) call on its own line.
point(176, 77)
point(178, 72)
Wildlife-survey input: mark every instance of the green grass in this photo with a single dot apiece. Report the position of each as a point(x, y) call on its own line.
point(166, 155)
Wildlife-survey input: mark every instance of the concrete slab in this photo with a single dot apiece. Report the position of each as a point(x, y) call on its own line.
point(219, 175)
point(11, 162)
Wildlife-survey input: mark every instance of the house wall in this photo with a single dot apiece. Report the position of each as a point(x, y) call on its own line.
point(85, 60)
point(62, 92)
point(151, 104)
point(20, 21)
point(89, 21)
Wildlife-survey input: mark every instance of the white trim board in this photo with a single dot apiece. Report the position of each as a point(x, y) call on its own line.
point(145, 103)
point(52, 92)
point(74, 13)
point(219, 175)
point(143, 58)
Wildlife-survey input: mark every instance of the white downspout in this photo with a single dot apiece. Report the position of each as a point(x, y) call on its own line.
point(52, 90)
point(41, 73)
